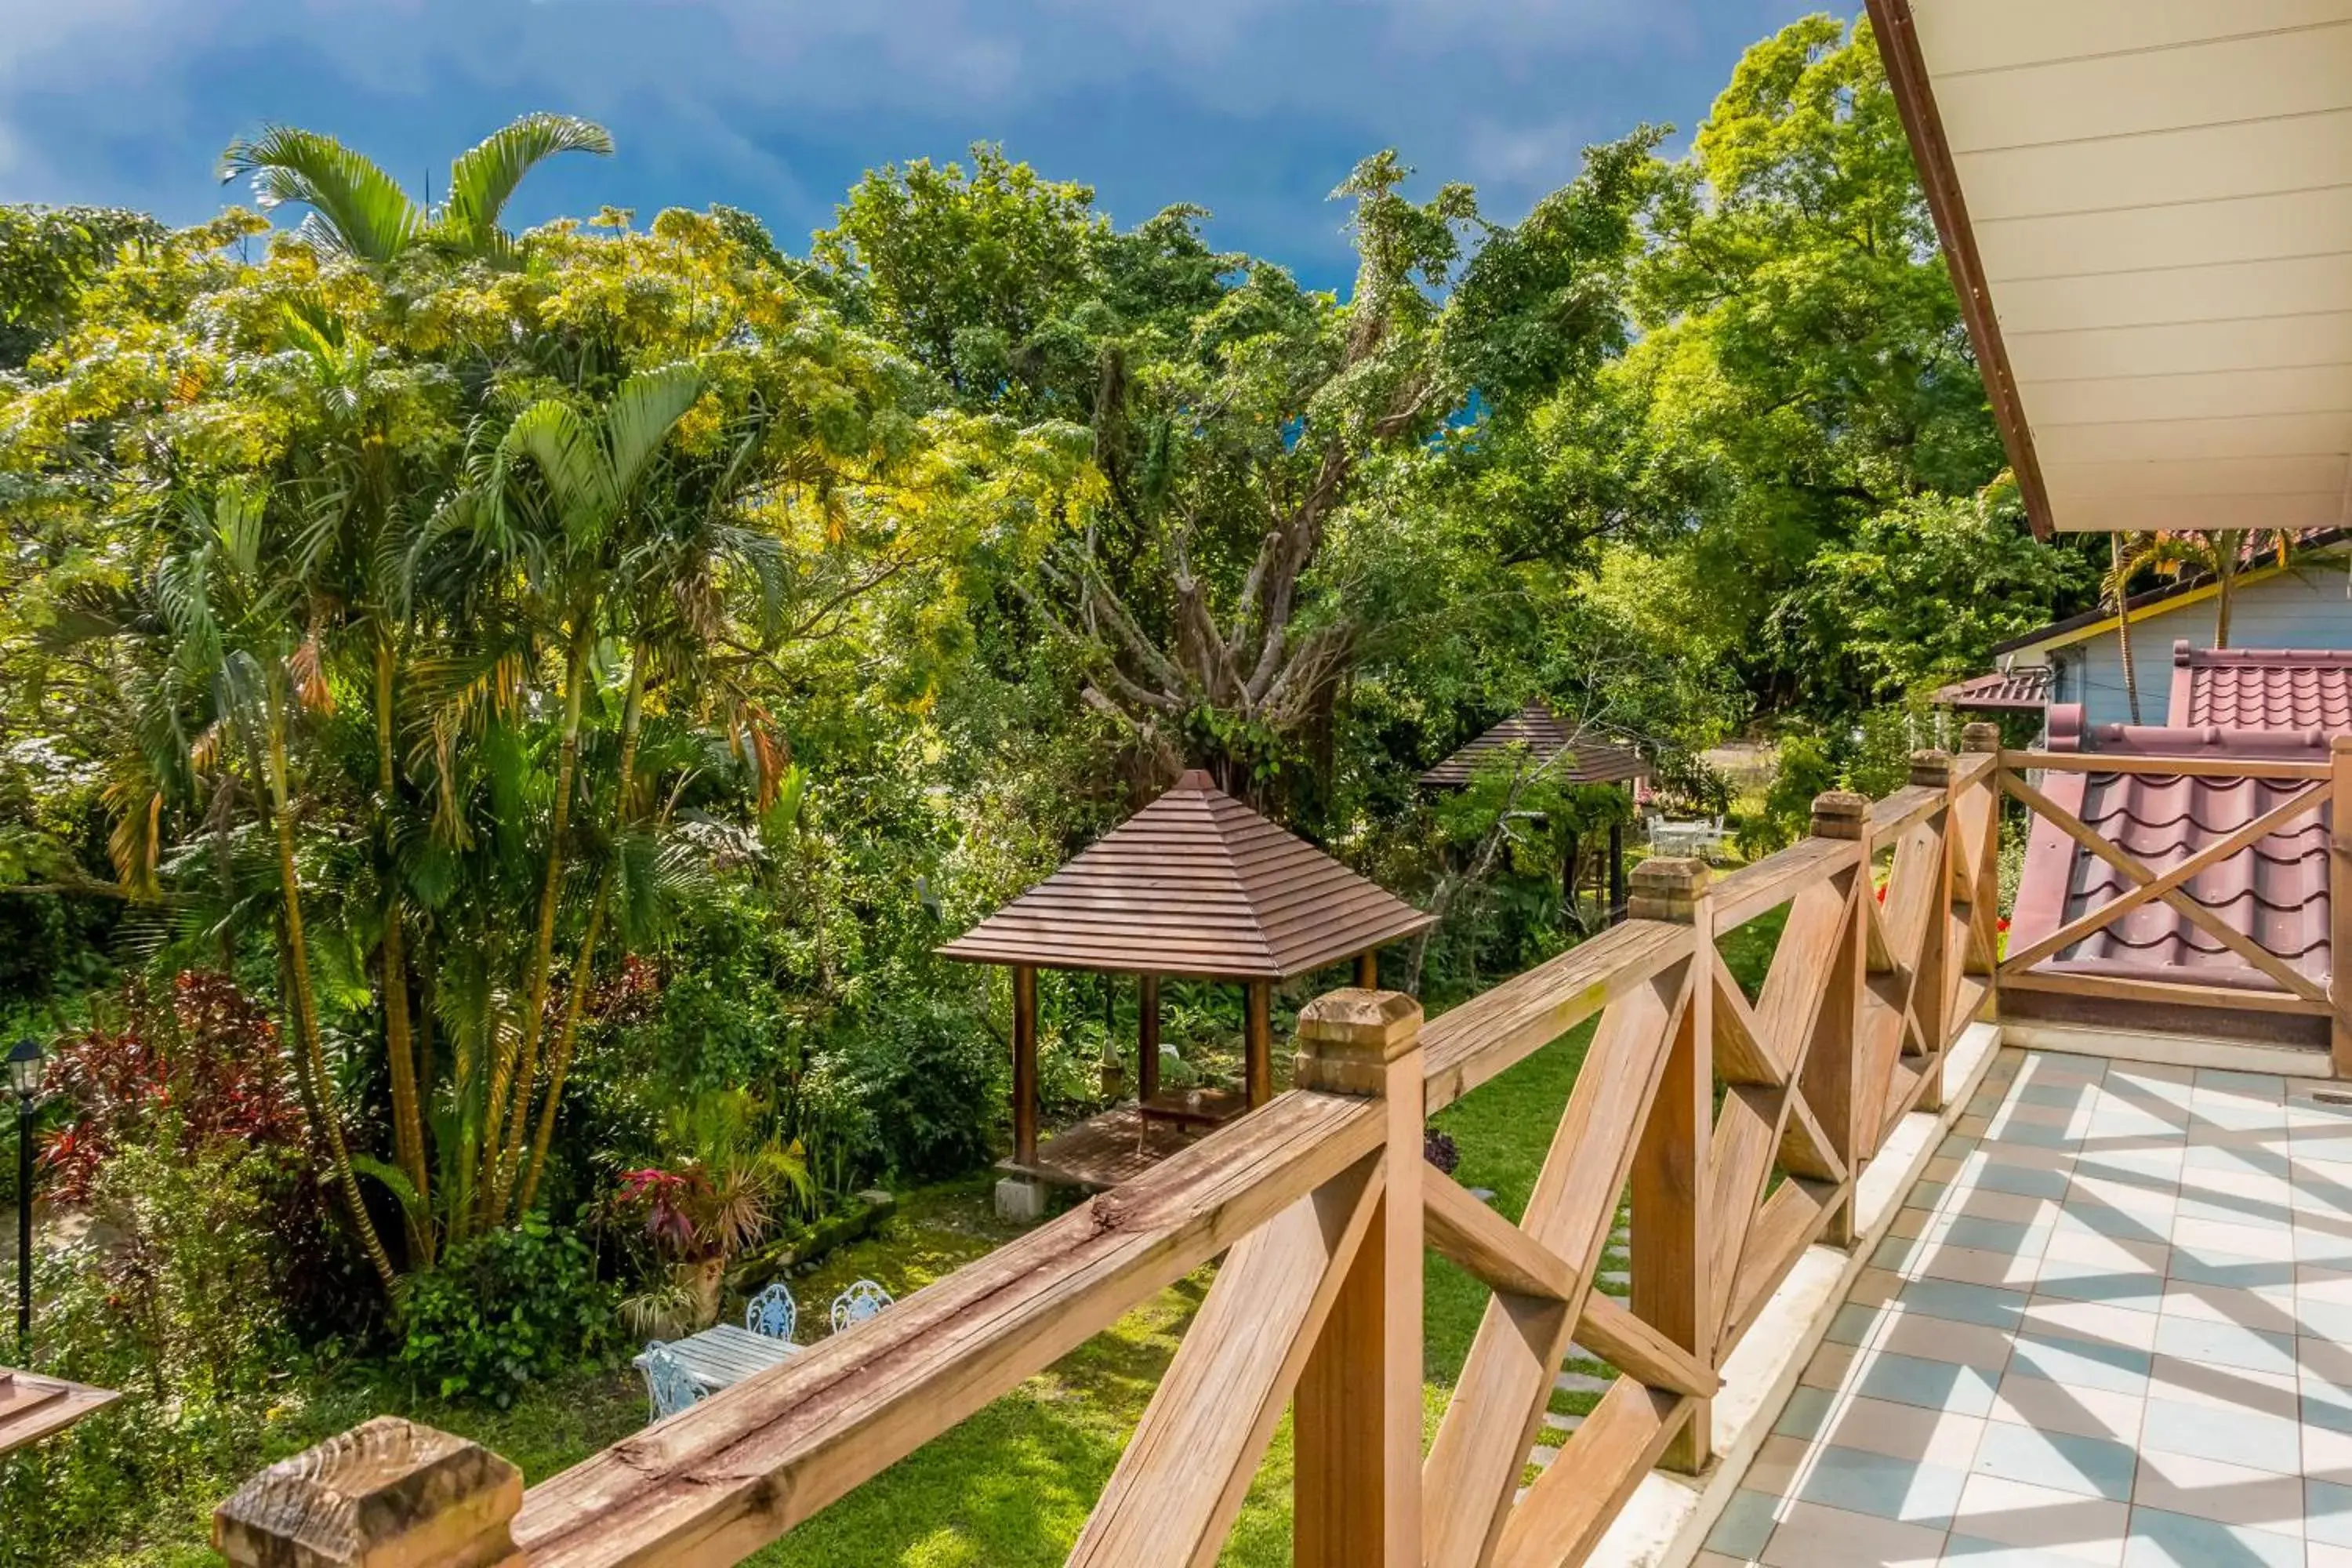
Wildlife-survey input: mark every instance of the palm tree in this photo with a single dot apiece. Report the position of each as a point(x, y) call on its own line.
point(235, 619)
point(2123, 562)
point(665, 592)
point(2230, 552)
point(358, 210)
point(354, 489)
point(573, 481)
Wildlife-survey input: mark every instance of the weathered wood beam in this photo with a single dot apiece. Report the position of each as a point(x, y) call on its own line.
point(2234, 767)
point(1671, 1247)
point(1575, 1500)
point(1505, 1258)
point(1500, 1028)
point(2213, 854)
point(1745, 1051)
point(386, 1494)
point(1356, 1469)
point(2205, 920)
point(1024, 1064)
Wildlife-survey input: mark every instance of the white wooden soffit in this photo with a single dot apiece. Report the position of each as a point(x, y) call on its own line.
point(2161, 194)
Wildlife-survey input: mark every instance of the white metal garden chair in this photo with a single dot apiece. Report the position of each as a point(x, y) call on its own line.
point(773, 1313)
point(862, 1300)
point(669, 1386)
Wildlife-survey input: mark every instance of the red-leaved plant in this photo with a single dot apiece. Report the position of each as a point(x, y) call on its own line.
point(205, 1053)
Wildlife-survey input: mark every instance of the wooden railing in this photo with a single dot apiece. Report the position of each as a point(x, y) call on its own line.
point(1320, 1206)
point(2303, 793)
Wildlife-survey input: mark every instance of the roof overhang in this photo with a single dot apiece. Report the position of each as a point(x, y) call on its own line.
point(2146, 208)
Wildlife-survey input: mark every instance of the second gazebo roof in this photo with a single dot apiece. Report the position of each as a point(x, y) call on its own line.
point(1195, 883)
point(1540, 730)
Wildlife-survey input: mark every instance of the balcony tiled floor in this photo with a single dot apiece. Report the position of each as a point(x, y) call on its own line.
point(2114, 1326)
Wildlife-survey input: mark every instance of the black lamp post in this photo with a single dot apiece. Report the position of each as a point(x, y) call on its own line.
point(25, 1065)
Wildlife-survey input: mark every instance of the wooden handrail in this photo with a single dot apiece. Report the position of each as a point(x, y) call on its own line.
point(730, 1474)
point(2206, 766)
point(1318, 1201)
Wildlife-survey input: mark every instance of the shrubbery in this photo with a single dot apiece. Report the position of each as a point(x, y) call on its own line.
point(505, 1308)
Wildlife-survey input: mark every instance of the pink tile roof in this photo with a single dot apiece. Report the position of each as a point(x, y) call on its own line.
point(2026, 687)
point(2274, 892)
point(2263, 689)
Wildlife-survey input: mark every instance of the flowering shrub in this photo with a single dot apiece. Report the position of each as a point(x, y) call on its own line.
point(692, 1217)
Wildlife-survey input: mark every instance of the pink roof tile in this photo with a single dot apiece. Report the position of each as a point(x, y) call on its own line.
point(2263, 689)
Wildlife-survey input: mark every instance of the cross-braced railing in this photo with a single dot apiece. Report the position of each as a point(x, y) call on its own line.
point(2302, 815)
point(1320, 1206)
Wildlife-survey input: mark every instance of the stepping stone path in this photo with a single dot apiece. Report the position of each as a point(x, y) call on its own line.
point(1583, 1377)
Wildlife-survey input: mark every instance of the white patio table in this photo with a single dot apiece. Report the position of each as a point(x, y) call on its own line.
point(725, 1354)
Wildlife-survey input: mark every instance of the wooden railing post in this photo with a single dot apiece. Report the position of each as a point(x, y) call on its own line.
point(1832, 1082)
point(1356, 1476)
point(1933, 984)
point(1671, 1241)
point(388, 1494)
point(1984, 876)
point(2340, 904)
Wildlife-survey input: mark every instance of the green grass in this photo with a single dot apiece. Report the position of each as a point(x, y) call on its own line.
point(1012, 1486)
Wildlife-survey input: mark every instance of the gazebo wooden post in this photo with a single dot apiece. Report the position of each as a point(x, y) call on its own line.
point(1257, 1042)
point(1024, 1064)
point(1616, 872)
point(1368, 970)
point(1146, 1037)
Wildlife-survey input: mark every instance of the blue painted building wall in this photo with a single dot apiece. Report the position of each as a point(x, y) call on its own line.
point(2304, 607)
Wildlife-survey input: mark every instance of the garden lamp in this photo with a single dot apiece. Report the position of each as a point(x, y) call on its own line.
point(25, 1065)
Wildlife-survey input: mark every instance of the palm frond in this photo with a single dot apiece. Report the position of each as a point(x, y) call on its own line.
point(645, 410)
point(483, 178)
point(572, 461)
point(360, 210)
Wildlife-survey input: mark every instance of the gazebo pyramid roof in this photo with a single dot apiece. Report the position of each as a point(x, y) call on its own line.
point(1545, 735)
point(1195, 883)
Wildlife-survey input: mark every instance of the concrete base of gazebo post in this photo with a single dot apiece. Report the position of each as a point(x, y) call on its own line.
point(1021, 1200)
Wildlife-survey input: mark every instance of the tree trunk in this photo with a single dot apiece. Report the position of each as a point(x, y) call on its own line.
point(399, 1042)
point(502, 1133)
point(584, 968)
point(304, 999)
point(2226, 546)
point(2123, 623)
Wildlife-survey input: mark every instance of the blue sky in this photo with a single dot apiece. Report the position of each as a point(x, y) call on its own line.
point(1252, 108)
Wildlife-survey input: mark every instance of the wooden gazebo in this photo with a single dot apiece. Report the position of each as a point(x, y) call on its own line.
point(1545, 737)
point(1197, 886)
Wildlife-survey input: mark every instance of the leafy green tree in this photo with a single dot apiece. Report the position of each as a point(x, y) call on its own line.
point(1919, 593)
point(1803, 392)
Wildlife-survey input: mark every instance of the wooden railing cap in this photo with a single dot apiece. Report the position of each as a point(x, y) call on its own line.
point(1840, 814)
point(1667, 888)
point(386, 1494)
point(1348, 1037)
point(1980, 737)
point(1931, 767)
